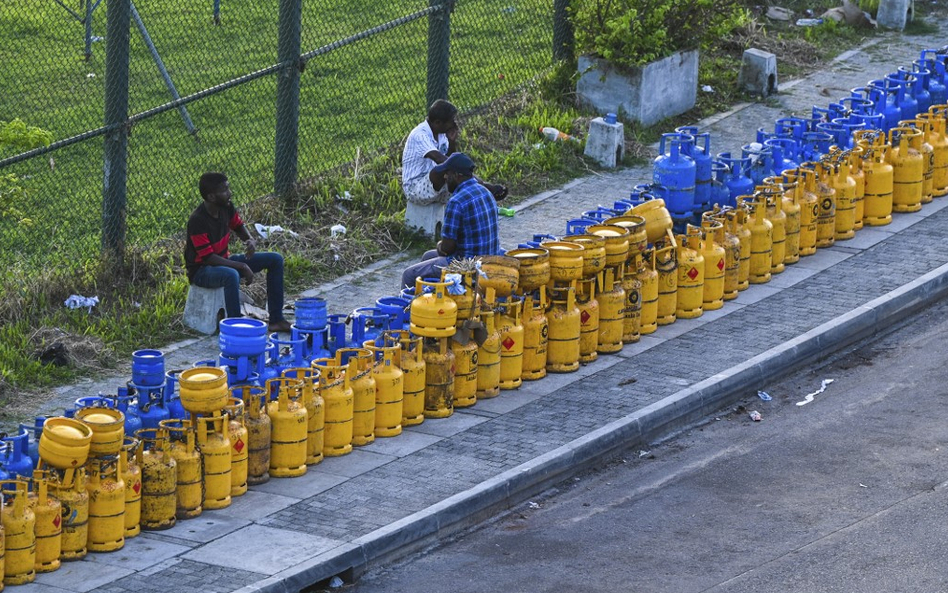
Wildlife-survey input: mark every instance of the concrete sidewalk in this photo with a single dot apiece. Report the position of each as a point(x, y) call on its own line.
point(397, 495)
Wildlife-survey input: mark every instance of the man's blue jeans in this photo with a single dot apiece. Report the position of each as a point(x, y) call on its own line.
point(229, 279)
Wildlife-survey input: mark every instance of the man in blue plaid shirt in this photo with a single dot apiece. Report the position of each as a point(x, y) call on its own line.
point(470, 221)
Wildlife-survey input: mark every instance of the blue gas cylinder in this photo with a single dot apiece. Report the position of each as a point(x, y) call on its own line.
point(835, 130)
point(337, 333)
point(242, 336)
point(622, 207)
point(578, 226)
point(148, 367)
point(916, 79)
point(18, 460)
point(761, 161)
point(934, 62)
point(676, 171)
point(173, 396)
point(815, 145)
point(33, 447)
point(891, 108)
point(287, 353)
point(397, 308)
point(310, 313)
point(720, 194)
point(905, 94)
point(782, 150)
point(700, 151)
point(127, 404)
point(151, 405)
point(599, 214)
point(368, 323)
point(793, 127)
point(737, 181)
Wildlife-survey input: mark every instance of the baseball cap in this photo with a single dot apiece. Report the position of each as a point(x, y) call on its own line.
point(457, 162)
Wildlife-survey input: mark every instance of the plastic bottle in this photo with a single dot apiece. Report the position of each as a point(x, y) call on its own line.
point(508, 212)
point(554, 135)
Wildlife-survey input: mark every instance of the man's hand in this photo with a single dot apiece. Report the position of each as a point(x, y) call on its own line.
point(250, 247)
point(246, 273)
point(498, 191)
point(453, 133)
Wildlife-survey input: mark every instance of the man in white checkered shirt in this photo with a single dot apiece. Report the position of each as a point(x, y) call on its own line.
point(430, 144)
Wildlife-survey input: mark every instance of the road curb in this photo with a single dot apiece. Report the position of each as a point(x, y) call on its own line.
point(672, 413)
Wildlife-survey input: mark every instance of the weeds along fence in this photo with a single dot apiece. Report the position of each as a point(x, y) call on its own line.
point(143, 96)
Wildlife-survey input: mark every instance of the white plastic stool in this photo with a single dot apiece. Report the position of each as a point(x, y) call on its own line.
point(204, 309)
point(427, 217)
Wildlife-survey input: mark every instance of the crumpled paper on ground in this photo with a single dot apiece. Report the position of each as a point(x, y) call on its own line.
point(77, 301)
point(266, 231)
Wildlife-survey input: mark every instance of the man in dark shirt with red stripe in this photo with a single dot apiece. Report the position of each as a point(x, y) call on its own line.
point(209, 262)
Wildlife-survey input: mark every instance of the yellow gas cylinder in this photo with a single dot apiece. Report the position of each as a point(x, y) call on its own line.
point(714, 265)
point(19, 533)
point(658, 221)
point(826, 197)
point(257, 421)
point(612, 311)
point(859, 176)
point(203, 390)
point(562, 352)
point(389, 386)
point(49, 523)
point(617, 242)
point(741, 228)
point(937, 117)
point(845, 187)
point(439, 378)
point(773, 198)
point(315, 411)
point(182, 445)
point(106, 505)
point(534, 268)
point(433, 313)
point(337, 395)
point(648, 293)
point(238, 435)
point(877, 198)
point(510, 325)
point(627, 279)
point(809, 209)
point(666, 264)
point(690, 274)
point(214, 442)
point(465, 371)
point(75, 500)
point(762, 230)
point(108, 429)
point(908, 169)
point(790, 203)
point(132, 476)
point(159, 475)
point(588, 319)
point(466, 300)
point(363, 393)
point(928, 156)
point(594, 252)
point(732, 255)
point(64, 443)
point(536, 330)
point(488, 355)
point(412, 363)
point(566, 261)
point(638, 236)
point(288, 428)
point(500, 272)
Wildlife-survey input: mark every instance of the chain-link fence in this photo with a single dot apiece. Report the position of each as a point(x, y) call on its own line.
point(143, 96)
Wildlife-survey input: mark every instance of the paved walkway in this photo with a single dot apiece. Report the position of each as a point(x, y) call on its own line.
point(397, 495)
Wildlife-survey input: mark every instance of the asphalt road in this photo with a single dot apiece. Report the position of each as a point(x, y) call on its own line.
point(844, 494)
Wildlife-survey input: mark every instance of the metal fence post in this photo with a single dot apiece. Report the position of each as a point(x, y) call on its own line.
point(439, 50)
point(115, 153)
point(562, 31)
point(286, 149)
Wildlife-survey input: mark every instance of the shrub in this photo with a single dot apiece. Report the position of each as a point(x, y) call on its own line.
point(631, 33)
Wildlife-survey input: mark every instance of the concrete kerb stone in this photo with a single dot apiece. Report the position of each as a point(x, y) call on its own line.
point(341, 560)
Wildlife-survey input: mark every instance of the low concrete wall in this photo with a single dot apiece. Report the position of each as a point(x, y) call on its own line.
point(649, 94)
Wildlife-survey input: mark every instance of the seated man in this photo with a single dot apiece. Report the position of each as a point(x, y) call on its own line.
point(429, 144)
point(209, 263)
point(470, 220)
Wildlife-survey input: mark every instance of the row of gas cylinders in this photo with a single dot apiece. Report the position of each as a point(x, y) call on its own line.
point(692, 179)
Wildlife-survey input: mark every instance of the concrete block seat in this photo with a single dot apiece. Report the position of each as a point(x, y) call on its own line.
point(204, 309)
point(427, 217)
